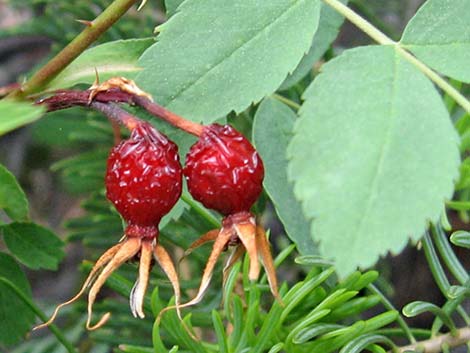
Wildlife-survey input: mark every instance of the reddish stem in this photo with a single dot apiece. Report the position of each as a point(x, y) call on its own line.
point(116, 131)
point(113, 112)
point(170, 117)
point(69, 98)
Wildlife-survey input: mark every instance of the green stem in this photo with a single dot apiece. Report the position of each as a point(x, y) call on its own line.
point(287, 101)
point(389, 306)
point(360, 22)
point(438, 80)
point(93, 30)
point(200, 210)
point(381, 38)
point(60, 337)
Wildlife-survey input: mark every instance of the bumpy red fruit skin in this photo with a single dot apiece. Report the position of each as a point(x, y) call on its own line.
point(144, 179)
point(223, 170)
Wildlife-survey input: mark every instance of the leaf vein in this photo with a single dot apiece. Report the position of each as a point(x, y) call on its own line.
point(383, 151)
point(224, 58)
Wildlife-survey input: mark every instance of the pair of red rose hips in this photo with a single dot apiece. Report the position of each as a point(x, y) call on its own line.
point(223, 171)
point(144, 181)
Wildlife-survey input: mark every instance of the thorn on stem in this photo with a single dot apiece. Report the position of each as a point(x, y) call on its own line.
point(85, 22)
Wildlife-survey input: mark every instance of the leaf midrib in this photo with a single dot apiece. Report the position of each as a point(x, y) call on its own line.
point(204, 74)
point(383, 152)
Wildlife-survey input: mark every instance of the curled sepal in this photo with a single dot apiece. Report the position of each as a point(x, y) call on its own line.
point(128, 249)
point(140, 287)
point(165, 262)
point(219, 245)
point(206, 238)
point(246, 232)
point(268, 263)
point(102, 261)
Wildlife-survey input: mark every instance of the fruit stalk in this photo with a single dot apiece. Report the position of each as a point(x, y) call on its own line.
point(115, 113)
point(170, 117)
point(68, 98)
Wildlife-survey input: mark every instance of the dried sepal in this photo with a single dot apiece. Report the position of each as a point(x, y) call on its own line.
point(124, 84)
point(268, 263)
point(165, 262)
point(137, 295)
point(246, 232)
point(129, 249)
point(204, 239)
point(219, 246)
point(102, 261)
point(207, 237)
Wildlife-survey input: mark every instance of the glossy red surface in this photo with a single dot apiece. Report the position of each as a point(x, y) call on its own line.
point(223, 170)
point(144, 178)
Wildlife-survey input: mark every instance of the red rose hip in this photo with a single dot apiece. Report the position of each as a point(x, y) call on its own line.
point(223, 170)
point(225, 173)
point(143, 178)
point(143, 181)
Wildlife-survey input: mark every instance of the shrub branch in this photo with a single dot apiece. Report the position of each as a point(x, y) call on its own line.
point(434, 344)
point(93, 30)
point(381, 38)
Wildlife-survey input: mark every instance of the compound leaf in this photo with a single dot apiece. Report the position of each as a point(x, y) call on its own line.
point(216, 56)
point(328, 28)
point(373, 157)
point(439, 35)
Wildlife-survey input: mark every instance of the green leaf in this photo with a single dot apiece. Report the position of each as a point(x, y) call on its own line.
point(33, 245)
point(276, 348)
point(381, 320)
point(361, 343)
point(12, 198)
point(314, 331)
point(220, 332)
point(118, 58)
point(373, 157)
point(217, 56)
point(16, 114)
point(458, 205)
point(328, 29)
point(439, 35)
point(16, 316)
point(461, 238)
point(274, 121)
point(419, 307)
